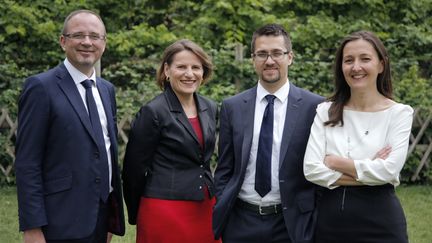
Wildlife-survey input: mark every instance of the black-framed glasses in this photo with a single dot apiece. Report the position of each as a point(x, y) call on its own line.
point(275, 55)
point(82, 36)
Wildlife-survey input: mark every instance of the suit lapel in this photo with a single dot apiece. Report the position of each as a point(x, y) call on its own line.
point(294, 102)
point(67, 85)
point(106, 101)
point(204, 119)
point(177, 109)
point(247, 115)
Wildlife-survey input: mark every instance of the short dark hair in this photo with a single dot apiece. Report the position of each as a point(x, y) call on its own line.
point(177, 47)
point(271, 29)
point(342, 91)
point(76, 12)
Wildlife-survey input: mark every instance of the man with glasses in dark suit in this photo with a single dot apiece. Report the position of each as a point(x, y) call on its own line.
point(67, 173)
point(262, 194)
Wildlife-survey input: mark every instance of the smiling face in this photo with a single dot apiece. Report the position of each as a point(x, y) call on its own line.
point(185, 73)
point(83, 53)
point(361, 65)
point(272, 74)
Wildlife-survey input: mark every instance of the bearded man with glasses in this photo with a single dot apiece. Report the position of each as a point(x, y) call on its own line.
point(262, 194)
point(68, 180)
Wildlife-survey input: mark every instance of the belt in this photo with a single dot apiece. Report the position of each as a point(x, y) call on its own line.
point(261, 210)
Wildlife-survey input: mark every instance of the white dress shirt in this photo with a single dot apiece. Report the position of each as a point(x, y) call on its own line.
point(361, 137)
point(247, 191)
point(78, 77)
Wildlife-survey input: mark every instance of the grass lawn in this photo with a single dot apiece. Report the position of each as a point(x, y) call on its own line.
point(417, 204)
point(416, 200)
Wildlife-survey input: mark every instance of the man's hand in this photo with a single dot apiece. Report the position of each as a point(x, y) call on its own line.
point(34, 236)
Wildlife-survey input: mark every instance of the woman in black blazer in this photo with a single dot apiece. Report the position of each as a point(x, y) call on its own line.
point(167, 182)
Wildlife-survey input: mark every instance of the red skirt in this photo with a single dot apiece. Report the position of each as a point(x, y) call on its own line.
point(171, 221)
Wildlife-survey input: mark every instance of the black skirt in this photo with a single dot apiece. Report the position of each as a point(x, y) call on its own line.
point(360, 214)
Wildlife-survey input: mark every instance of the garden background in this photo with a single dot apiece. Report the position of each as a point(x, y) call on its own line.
point(139, 30)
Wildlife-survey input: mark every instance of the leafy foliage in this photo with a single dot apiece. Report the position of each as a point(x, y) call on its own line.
point(138, 32)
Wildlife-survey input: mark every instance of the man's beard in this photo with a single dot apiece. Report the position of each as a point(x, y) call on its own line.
point(271, 80)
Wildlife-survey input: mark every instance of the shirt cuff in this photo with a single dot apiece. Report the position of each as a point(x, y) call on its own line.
point(330, 183)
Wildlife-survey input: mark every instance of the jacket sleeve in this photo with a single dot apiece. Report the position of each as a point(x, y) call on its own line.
point(32, 135)
point(143, 141)
point(225, 165)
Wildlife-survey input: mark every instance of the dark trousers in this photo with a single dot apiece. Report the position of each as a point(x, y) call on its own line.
point(250, 227)
point(360, 214)
point(99, 235)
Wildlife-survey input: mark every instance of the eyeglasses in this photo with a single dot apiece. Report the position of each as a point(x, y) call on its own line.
point(81, 36)
point(275, 55)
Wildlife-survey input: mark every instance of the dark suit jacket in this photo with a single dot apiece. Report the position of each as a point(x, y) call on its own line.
point(56, 172)
point(235, 140)
point(163, 157)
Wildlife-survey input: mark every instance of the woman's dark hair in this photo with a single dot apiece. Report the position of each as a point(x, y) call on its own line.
point(176, 47)
point(342, 91)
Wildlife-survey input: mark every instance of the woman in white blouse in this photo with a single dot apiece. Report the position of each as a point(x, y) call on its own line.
point(357, 148)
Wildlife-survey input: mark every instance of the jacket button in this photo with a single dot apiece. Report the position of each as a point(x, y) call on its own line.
point(200, 176)
point(200, 187)
point(201, 166)
point(97, 180)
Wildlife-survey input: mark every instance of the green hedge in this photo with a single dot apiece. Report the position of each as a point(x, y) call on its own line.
point(138, 32)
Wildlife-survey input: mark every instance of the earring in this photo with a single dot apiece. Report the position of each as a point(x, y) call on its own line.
point(167, 79)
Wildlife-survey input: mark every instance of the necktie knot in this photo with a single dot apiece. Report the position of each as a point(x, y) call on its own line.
point(270, 98)
point(87, 83)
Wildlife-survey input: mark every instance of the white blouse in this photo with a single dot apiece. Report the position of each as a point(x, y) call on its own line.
point(361, 137)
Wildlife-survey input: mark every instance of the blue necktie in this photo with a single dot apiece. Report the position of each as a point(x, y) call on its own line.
point(100, 156)
point(264, 154)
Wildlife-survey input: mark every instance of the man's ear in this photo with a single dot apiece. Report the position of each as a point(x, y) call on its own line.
point(62, 41)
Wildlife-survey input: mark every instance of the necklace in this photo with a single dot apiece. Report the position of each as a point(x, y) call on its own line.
point(358, 127)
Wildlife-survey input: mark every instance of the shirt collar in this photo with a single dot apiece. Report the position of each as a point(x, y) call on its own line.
point(281, 94)
point(76, 74)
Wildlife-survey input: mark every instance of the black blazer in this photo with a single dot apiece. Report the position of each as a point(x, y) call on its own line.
point(163, 157)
